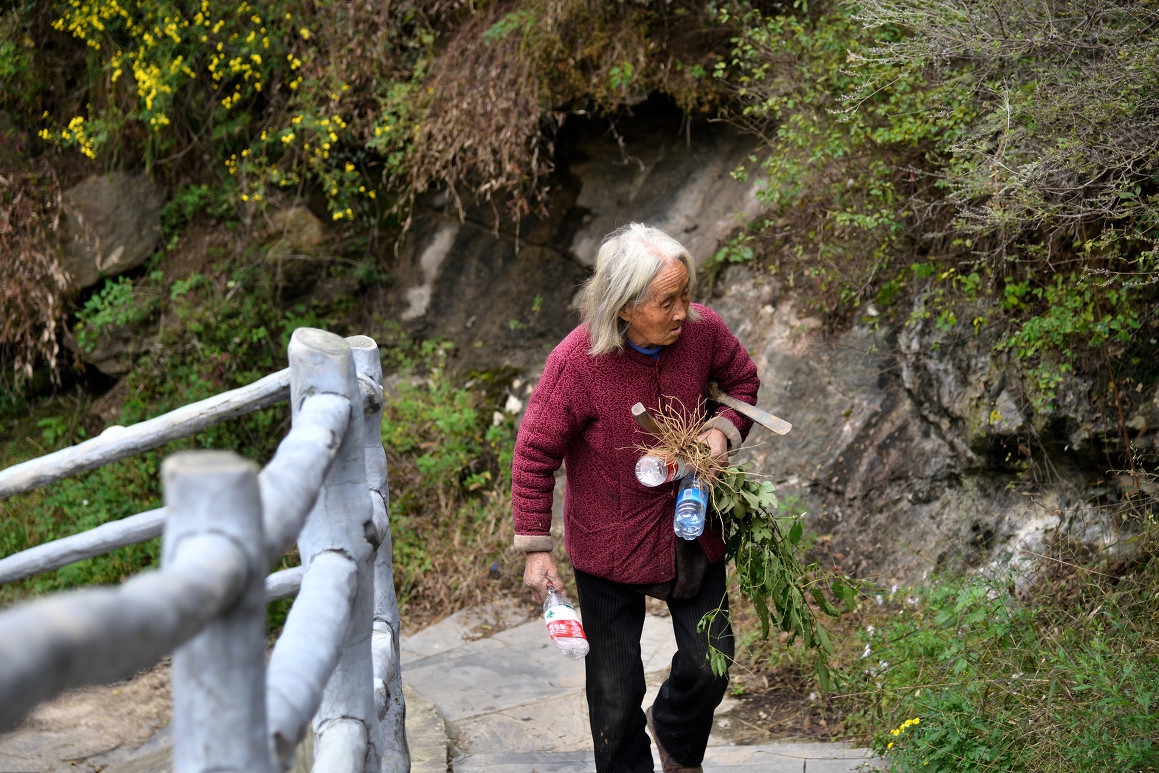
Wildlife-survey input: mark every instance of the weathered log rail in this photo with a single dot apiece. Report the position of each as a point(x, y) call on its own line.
point(336, 664)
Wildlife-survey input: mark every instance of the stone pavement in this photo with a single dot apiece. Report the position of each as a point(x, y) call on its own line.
point(511, 703)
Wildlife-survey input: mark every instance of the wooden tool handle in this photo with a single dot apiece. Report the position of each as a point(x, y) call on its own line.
point(646, 422)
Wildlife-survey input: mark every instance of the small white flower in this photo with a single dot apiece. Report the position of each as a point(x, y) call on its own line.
point(84, 503)
point(869, 629)
point(514, 404)
point(812, 696)
point(879, 599)
point(496, 419)
point(893, 590)
point(865, 654)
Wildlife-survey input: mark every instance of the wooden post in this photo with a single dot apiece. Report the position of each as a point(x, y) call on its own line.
point(219, 694)
point(341, 521)
point(391, 709)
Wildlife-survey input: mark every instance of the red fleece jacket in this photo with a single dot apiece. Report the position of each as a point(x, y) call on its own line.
point(580, 413)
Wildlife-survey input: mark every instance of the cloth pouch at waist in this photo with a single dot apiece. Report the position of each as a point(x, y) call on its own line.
point(691, 566)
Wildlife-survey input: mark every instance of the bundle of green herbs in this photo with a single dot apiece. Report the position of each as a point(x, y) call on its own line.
point(763, 542)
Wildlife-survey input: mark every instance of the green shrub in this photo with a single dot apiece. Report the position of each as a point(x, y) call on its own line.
point(1064, 681)
point(449, 447)
point(223, 330)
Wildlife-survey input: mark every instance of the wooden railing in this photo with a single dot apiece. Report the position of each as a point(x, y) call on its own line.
point(224, 523)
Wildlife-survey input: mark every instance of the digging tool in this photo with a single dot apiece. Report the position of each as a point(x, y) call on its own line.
point(764, 418)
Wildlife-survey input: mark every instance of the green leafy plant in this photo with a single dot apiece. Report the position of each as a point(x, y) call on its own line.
point(763, 541)
point(449, 447)
point(1078, 315)
point(113, 305)
point(765, 548)
point(1057, 682)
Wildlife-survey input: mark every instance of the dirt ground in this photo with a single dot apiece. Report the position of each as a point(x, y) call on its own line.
point(90, 728)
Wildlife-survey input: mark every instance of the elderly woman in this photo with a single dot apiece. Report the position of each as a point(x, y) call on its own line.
point(641, 340)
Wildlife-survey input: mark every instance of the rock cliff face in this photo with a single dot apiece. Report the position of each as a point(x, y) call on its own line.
point(910, 445)
point(506, 295)
point(913, 447)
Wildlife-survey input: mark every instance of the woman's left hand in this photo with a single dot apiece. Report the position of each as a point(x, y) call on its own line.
point(717, 443)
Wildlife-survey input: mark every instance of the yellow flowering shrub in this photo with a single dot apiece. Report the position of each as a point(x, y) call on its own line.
point(162, 47)
point(444, 94)
point(245, 76)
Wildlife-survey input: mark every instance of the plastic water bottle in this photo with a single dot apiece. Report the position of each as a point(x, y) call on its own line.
point(563, 625)
point(653, 470)
point(691, 505)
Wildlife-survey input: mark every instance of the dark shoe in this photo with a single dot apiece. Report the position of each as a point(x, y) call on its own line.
point(668, 764)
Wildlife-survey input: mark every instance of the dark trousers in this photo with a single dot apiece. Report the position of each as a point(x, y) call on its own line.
point(613, 618)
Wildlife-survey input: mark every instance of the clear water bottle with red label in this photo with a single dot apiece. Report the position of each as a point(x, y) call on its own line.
point(563, 625)
point(654, 470)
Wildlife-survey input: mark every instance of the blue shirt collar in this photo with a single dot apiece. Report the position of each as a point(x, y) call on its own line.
point(651, 351)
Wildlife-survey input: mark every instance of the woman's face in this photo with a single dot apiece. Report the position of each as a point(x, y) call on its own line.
point(659, 318)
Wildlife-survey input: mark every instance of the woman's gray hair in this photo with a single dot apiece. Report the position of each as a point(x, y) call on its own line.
point(628, 260)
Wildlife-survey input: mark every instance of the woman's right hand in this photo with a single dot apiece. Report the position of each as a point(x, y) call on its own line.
point(539, 571)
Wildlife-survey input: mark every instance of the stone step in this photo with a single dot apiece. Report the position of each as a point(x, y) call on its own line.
point(513, 704)
point(765, 758)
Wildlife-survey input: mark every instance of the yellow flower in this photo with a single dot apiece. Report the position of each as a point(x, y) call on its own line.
point(902, 727)
point(305, 33)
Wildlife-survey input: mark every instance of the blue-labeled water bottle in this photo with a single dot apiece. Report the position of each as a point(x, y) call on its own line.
point(691, 506)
